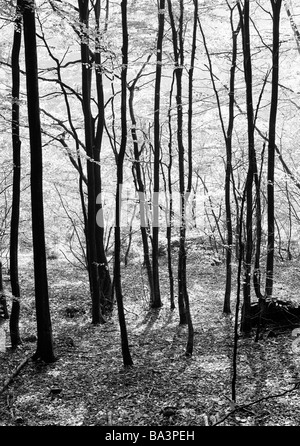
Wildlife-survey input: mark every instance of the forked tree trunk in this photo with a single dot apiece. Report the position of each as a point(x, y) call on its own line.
point(92, 254)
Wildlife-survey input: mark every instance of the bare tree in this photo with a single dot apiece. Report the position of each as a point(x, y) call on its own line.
point(44, 327)
point(15, 210)
point(157, 153)
point(276, 7)
point(127, 360)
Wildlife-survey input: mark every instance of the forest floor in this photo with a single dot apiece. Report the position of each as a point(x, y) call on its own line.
point(88, 386)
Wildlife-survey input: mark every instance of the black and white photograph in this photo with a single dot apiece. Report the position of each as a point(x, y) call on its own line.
point(149, 217)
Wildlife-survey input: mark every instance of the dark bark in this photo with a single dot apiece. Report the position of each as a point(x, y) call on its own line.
point(103, 271)
point(92, 254)
point(228, 169)
point(127, 360)
point(245, 21)
point(155, 227)
point(15, 210)
point(257, 270)
point(183, 298)
point(276, 6)
point(139, 185)
point(227, 133)
point(170, 222)
point(44, 328)
point(178, 67)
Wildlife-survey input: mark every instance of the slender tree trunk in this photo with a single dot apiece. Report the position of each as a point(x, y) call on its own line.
point(170, 222)
point(257, 271)
point(246, 320)
point(183, 298)
point(127, 360)
point(15, 211)
point(190, 99)
point(155, 228)
point(44, 329)
point(140, 187)
point(97, 316)
point(228, 170)
point(228, 144)
point(103, 271)
point(178, 67)
point(276, 6)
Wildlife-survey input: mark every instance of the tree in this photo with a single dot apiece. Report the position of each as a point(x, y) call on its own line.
point(44, 349)
point(178, 51)
point(276, 7)
point(127, 360)
point(245, 23)
point(97, 264)
point(157, 153)
point(228, 134)
point(138, 179)
point(103, 271)
point(15, 211)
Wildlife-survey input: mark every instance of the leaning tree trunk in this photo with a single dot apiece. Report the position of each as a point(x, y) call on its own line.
point(44, 328)
point(15, 211)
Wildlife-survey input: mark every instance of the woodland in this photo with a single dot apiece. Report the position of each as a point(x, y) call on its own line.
point(150, 218)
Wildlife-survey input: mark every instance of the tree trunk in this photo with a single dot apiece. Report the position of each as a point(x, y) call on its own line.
point(183, 298)
point(178, 67)
point(276, 6)
point(15, 211)
point(97, 316)
point(140, 188)
point(228, 170)
point(106, 299)
point(127, 360)
point(44, 329)
point(246, 319)
point(155, 228)
point(170, 222)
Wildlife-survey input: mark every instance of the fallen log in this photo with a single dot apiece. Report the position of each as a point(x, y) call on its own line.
point(14, 374)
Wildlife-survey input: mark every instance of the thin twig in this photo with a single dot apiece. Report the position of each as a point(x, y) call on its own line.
point(243, 406)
